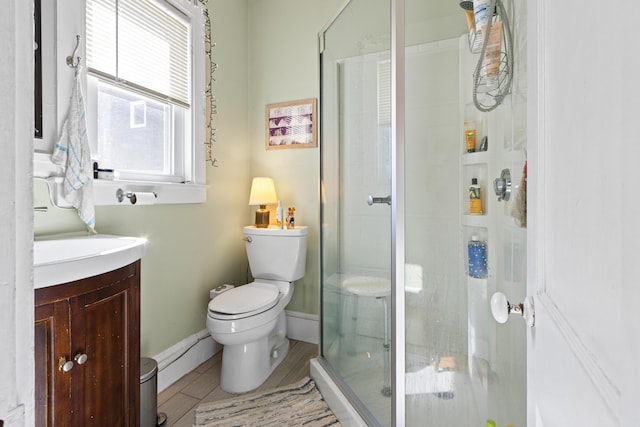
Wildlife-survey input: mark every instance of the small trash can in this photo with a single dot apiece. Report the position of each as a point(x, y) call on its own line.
point(149, 416)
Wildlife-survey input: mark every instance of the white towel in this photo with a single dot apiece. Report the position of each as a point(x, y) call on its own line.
point(73, 153)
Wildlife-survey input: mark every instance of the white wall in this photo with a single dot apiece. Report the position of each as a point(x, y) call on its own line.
point(16, 290)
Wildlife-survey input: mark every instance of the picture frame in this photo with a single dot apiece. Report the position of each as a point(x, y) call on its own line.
point(291, 124)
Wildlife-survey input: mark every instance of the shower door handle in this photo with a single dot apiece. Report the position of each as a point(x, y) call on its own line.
point(371, 200)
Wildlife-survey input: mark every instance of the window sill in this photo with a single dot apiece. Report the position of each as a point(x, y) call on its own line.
point(104, 190)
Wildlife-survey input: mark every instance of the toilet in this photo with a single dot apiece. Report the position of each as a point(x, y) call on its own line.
point(249, 320)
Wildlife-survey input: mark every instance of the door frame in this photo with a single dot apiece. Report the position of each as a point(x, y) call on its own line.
point(17, 398)
point(398, 323)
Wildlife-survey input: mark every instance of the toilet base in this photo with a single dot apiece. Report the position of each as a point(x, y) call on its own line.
point(246, 366)
point(253, 347)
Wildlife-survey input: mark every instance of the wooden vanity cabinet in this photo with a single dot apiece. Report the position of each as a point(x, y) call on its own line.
point(98, 317)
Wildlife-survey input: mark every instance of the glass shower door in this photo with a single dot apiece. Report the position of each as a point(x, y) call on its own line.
point(462, 368)
point(356, 211)
point(450, 362)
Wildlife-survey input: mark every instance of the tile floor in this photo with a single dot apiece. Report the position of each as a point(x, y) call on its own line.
point(202, 384)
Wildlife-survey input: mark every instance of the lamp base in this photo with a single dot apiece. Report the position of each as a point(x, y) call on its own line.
point(262, 217)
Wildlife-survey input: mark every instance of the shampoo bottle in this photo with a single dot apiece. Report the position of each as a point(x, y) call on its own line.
point(481, 17)
point(475, 200)
point(493, 53)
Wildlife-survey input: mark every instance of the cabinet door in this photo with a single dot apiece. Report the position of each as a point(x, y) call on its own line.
point(52, 386)
point(105, 326)
point(95, 323)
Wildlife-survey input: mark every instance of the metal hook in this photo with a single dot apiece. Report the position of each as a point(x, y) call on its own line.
point(71, 60)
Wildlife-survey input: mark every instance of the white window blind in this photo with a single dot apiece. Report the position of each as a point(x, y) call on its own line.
point(141, 44)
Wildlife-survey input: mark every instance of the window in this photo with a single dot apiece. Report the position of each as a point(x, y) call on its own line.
point(140, 137)
point(140, 88)
point(144, 93)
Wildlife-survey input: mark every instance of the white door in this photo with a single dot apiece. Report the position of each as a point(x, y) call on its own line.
point(582, 233)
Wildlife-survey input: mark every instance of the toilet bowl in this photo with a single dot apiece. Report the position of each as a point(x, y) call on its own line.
point(249, 320)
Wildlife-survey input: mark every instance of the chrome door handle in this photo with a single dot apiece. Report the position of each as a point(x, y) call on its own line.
point(81, 358)
point(371, 200)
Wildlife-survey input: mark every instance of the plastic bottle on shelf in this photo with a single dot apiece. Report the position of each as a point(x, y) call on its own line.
point(475, 199)
point(470, 135)
point(493, 53)
point(477, 258)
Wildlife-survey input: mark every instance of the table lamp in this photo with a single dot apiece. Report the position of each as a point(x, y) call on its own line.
point(263, 193)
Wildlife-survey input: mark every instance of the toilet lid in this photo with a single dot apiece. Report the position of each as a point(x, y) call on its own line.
point(247, 299)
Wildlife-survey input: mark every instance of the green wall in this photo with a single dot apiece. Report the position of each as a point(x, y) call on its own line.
point(267, 52)
point(284, 66)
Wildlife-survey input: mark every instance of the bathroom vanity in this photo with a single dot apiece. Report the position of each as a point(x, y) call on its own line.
point(87, 350)
point(87, 346)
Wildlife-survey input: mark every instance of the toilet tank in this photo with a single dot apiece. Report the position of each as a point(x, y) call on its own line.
point(276, 254)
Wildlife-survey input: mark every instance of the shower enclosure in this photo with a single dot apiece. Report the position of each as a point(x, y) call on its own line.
point(407, 269)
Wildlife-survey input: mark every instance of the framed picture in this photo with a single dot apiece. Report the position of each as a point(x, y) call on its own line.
point(291, 125)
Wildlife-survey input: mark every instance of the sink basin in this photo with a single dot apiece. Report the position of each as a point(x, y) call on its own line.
point(57, 261)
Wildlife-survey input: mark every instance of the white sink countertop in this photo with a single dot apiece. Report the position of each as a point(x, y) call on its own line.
point(62, 260)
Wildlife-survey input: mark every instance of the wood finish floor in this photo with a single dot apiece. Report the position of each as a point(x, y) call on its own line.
point(202, 384)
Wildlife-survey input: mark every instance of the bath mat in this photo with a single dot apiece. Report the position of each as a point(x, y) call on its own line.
point(298, 404)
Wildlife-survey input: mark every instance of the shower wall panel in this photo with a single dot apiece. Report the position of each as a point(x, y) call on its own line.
point(433, 208)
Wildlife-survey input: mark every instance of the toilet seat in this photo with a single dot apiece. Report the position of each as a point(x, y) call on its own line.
point(244, 301)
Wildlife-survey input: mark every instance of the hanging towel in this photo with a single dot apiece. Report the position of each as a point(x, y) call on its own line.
point(73, 153)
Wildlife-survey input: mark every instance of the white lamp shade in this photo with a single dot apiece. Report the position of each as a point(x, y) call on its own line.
point(263, 191)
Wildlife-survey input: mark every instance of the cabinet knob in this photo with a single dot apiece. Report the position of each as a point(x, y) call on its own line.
point(80, 358)
point(64, 365)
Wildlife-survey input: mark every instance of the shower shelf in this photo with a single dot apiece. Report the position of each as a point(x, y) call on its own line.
point(477, 281)
point(475, 220)
point(475, 158)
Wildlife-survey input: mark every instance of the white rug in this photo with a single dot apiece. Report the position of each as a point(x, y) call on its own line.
point(299, 404)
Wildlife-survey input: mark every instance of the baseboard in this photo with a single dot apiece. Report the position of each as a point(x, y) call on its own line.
point(303, 327)
point(183, 357)
point(337, 401)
